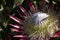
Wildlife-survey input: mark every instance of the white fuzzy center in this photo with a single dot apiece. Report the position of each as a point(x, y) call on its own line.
point(38, 18)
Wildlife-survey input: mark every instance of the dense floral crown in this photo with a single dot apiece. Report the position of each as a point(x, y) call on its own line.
point(32, 20)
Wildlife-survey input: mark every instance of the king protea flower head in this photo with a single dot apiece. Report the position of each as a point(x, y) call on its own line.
point(37, 25)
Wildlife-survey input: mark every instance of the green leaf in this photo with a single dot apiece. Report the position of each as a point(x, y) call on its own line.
point(1, 8)
point(18, 1)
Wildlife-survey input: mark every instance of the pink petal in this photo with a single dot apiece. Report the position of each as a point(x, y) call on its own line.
point(56, 36)
point(23, 10)
point(16, 26)
point(16, 19)
point(19, 36)
point(15, 30)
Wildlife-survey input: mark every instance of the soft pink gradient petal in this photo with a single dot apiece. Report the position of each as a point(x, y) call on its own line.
point(16, 19)
point(15, 30)
point(20, 36)
point(16, 26)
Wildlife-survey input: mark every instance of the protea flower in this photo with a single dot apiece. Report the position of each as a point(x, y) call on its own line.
point(35, 23)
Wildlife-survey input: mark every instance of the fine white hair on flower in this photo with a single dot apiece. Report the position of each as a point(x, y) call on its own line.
point(38, 17)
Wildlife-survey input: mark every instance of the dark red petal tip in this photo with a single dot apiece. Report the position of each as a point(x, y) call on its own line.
point(44, 2)
point(23, 10)
point(57, 34)
point(22, 15)
point(32, 8)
